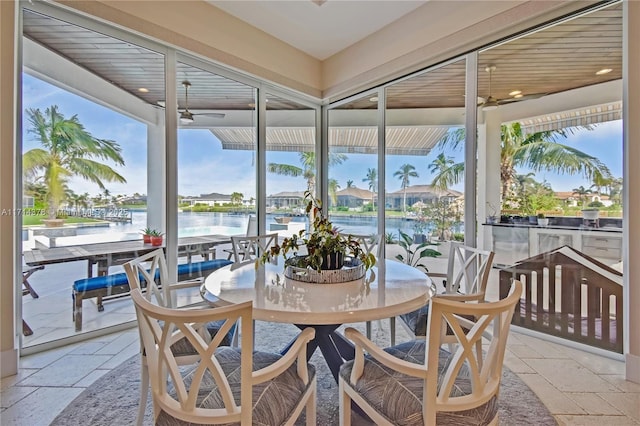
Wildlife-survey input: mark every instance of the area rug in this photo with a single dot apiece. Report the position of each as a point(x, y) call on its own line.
point(113, 399)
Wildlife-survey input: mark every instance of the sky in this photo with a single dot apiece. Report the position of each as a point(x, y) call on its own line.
point(204, 167)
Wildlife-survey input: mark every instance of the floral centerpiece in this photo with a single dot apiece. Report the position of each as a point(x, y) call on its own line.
point(326, 247)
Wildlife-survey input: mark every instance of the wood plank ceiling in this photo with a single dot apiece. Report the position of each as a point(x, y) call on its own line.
point(550, 60)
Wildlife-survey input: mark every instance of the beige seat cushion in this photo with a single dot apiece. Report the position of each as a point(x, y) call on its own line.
point(273, 401)
point(398, 397)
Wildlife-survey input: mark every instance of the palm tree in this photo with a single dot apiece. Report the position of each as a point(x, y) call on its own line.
point(523, 182)
point(83, 200)
point(601, 181)
point(105, 196)
point(73, 199)
point(236, 198)
point(615, 190)
point(531, 196)
point(69, 150)
point(446, 171)
point(308, 160)
point(333, 189)
point(537, 151)
point(37, 190)
point(372, 178)
point(404, 173)
point(582, 194)
point(349, 183)
point(70, 197)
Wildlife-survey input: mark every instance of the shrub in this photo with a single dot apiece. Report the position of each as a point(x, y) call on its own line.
point(414, 256)
point(389, 238)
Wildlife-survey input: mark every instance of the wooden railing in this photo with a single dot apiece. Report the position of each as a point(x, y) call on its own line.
point(576, 298)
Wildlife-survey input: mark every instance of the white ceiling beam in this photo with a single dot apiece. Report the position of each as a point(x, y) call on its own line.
point(60, 72)
point(569, 100)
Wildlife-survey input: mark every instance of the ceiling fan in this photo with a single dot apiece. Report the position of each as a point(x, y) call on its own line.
point(492, 103)
point(186, 116)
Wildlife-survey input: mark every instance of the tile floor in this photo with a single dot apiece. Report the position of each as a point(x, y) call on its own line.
point(579, 388)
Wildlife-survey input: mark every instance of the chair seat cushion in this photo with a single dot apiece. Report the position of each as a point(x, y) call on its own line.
point(417, 321)
point(105, 281)
point(199, 267)
point(273, 401)
point(398, 397)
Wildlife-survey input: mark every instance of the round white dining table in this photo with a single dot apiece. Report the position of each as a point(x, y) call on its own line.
point(389, 289)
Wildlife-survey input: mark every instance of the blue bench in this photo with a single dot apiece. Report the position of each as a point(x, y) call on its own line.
point(114, 284)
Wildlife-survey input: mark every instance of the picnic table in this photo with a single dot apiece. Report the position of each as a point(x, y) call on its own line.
point(108, 254)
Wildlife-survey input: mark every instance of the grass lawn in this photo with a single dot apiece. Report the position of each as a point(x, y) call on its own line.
point(37, 220)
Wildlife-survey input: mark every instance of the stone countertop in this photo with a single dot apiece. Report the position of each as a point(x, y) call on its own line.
point(552, 227)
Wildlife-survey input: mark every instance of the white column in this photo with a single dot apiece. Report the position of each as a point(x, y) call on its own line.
point(8, 245)
point(631, 140)
point(156, 171)
point(488, 174)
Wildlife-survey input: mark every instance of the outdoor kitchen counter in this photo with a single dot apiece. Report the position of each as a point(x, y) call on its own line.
point(570, 227)
point(513, 242)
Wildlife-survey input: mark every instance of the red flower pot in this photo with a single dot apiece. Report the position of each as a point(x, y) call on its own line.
point(156, 241)
point(146, 238)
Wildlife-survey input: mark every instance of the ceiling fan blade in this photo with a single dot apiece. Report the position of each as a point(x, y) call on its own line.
point(490, 104)
point(211, 114)
point(186, 117)
point(523, 98)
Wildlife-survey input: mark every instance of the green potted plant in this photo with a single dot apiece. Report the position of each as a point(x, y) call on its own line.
point(155, 237)
point(419, 226)
point(542, 220)
point(492, 216)
point(326, 246)
point(146, 235)
point(413, 257)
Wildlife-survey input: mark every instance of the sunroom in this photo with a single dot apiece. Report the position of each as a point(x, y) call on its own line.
point(240, 128)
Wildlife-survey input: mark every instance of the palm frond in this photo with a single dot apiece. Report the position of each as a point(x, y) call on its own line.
point(34, 160)
point(449, 176)
point(452, 139)
point(336, 158)
point(559, 158)
point(285, 169)
point(94, 171)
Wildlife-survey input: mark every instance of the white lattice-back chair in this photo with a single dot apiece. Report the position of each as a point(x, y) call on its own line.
point(466, 279)
point(419, 382)
point(220, 386)
point(252, 230)
point(149, 273)
point(250, 248)
point(370, 244)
